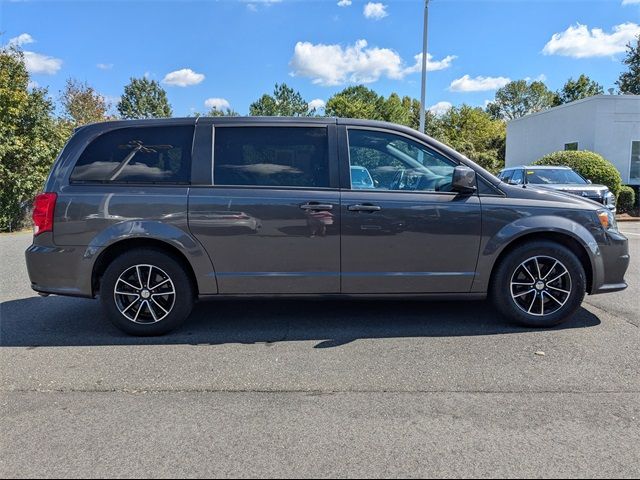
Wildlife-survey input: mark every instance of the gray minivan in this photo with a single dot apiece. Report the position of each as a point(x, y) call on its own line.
point(151, 215)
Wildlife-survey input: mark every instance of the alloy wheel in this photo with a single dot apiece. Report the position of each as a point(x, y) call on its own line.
point(541, 285)
point(144, 294)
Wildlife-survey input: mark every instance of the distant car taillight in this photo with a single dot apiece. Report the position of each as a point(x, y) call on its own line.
point(43, 208)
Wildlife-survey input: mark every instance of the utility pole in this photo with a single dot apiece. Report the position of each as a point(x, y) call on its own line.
point(423, 95)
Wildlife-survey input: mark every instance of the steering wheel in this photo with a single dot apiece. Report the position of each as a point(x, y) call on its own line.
point(398, 180)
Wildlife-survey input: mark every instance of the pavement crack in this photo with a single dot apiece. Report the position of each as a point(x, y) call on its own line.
point(312, 392)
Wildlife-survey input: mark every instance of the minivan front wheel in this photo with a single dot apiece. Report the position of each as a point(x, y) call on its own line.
point(146, 292)
point(539, 284)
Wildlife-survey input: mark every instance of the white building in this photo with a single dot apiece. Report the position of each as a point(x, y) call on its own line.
point(605, 124)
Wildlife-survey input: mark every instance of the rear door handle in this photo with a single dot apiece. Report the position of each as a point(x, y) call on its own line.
point(364, 208)
point(316, 206)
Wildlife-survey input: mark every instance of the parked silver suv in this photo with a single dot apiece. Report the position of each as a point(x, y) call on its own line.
point(152, 215)
point(560, 178)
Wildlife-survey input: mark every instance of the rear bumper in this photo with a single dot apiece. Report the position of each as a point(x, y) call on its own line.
point(59, 270)
point(613, 264)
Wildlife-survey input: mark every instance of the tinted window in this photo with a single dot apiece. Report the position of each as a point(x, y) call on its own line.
point(137, 155)
point(384, 161)
point(517, 178)
point(271, 156)
point(505, 175)
point(571, 147)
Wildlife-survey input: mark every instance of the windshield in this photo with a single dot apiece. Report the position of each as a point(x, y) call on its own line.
point(553, 176)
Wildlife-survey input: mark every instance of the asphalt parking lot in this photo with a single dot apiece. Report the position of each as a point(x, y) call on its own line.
point(317, 388)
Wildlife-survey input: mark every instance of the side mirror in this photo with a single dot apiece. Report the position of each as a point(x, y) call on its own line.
point(464, 180)
point(589, 182)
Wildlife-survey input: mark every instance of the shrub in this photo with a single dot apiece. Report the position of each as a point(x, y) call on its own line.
point(588, 164)
point(626, 199)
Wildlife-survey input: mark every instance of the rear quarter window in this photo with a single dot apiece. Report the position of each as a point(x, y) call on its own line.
point(137, 155)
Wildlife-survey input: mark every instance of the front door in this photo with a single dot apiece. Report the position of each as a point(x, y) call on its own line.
point(271, 221)
point(403, 229)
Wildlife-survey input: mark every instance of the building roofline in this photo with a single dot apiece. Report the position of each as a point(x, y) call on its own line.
point(577, 102)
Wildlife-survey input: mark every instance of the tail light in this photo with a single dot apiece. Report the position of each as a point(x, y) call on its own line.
point(43, 208)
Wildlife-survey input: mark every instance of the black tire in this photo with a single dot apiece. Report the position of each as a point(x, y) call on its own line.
point(502, 291)
point(181, 302)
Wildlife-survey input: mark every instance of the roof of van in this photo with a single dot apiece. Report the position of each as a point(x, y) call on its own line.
point(238, 120)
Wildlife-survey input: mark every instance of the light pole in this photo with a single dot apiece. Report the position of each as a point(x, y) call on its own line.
point(423, 94)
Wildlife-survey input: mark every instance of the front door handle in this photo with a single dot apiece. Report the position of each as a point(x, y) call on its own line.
point(364, 208)
point(321, 207)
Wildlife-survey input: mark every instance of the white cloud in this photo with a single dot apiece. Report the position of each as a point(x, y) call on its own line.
point(331, 65)
point(375, 11)
point(440, 108)
point(253, 5)
point(578, 41)
point(478, 84)
point(432, 65)
point(35, 62)
point(38, 63)
point(630, 2)
point(318, 104)
point(183, 78)
point(22, 39)
point(105, 66)
point(345, 3)
point(540, 78)
point(217, 103)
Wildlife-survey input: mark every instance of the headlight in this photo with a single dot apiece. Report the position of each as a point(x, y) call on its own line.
point(608, 220)
point(610, 200)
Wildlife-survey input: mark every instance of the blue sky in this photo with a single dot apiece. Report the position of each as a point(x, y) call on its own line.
point(236, 50)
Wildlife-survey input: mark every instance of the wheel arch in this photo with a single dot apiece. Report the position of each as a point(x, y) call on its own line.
point(114, 250)
point(569, 241)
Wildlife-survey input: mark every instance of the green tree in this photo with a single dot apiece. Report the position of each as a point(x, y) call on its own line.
point(395, 110)
point(629, 81)
point(472, 132)
point(227, 112)
point(520, 98)
point(578, 89)
point(356, 102)
point(30, 139)
point(285, 102)
point(144, 98)
point(413, 107)
point(82, 104)
point(363, 103)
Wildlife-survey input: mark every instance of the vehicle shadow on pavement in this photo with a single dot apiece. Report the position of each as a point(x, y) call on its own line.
point(60, 321)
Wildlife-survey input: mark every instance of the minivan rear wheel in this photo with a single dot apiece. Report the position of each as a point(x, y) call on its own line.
point(539, 284)
point(146, 292)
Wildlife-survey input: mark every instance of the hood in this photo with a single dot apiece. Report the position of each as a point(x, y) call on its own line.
point(588, 190)
point(562, 198)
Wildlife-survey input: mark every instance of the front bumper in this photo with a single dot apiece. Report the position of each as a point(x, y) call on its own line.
point(612, 265)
